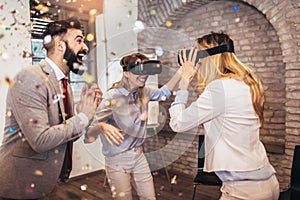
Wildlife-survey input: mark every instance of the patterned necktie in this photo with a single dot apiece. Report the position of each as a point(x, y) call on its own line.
point(67, 165)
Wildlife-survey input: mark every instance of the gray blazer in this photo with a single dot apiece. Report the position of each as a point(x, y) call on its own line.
point(35, 134)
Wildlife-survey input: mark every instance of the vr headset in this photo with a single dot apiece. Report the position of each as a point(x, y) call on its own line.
point(229, 47)
point(150, 67)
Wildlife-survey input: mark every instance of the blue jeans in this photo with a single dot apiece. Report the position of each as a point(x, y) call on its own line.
point(126, 168)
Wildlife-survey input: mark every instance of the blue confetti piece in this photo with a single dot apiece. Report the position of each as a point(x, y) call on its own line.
point(11, 130)
point(235, 8)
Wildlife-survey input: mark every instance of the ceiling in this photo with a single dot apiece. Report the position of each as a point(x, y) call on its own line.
point(44, 11)
point(50, 8)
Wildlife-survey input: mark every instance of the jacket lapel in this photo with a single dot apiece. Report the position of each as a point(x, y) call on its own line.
point(58, 93)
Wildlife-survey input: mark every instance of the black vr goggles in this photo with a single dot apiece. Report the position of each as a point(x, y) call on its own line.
point(150, 67)
point(229, 47)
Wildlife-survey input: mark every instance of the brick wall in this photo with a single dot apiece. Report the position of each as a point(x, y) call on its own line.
point(265, 35)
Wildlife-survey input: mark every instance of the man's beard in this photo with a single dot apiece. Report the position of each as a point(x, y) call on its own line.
point(74, 62)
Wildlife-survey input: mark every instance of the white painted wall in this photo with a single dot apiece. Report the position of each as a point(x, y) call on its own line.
point(114, 33)
point(115, 38)
point(12, 44)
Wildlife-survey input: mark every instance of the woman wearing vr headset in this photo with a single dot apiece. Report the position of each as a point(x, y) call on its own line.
point(121, 121)
point(230, 107)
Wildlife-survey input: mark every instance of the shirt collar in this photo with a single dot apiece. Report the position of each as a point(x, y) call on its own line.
point(58, 72)
point(126, 92)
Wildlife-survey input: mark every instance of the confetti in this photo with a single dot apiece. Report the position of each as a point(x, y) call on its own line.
point(113, 102)
point(159, 51)
point(174, 181)
point(5, 56)
point(8, 114)
point(113, 53)
point(155, 173)
point(107, 102)
point(11, 130)
point(99, 184)
point(38, 172)
point(90, 37)
point(56, 97)
point(47, 39)
point(168, 23)
point(88, 78)
point(162, 188)
point(113, 188)
point(138, 26)
point(152, 12)
point(119, 25)
point(83, 187)
point(122, 194)
point(129, 13)
point(93, 12)
point(33, 121)
point(235, 8)
point(114, 195)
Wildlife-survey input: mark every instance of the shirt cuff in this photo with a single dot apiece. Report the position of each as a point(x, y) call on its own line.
point(84, 119)
point(181, 97)
point(166, 91)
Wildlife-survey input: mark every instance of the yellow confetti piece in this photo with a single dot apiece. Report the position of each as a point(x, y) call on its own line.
point(113, 102)
point(38, 173)
point(32, 185)
point(88, 78)
point(168, 23)
point(107, 103)
point(90, 37)
point(93, 12)
point(122, 194)
point(174, 181)
point(8, 114)
point(152, 12)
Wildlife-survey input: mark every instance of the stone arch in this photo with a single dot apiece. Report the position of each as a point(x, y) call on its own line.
point(284, 17)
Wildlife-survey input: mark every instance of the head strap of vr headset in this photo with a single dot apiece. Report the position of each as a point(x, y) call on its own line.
point(229, 47)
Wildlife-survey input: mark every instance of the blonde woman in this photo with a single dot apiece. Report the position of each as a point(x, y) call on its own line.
point(230, 107)
point(121, 121)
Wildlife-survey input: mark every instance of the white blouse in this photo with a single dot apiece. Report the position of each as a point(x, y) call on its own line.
point(231, 126)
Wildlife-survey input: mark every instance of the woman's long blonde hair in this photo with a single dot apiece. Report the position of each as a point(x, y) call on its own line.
point(227, 65)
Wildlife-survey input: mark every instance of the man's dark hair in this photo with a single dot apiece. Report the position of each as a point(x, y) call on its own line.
point(60, 27)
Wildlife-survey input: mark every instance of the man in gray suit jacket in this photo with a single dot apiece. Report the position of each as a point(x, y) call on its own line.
point(38, 128)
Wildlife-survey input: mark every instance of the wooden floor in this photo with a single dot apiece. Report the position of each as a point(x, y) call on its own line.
point(91, 187)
